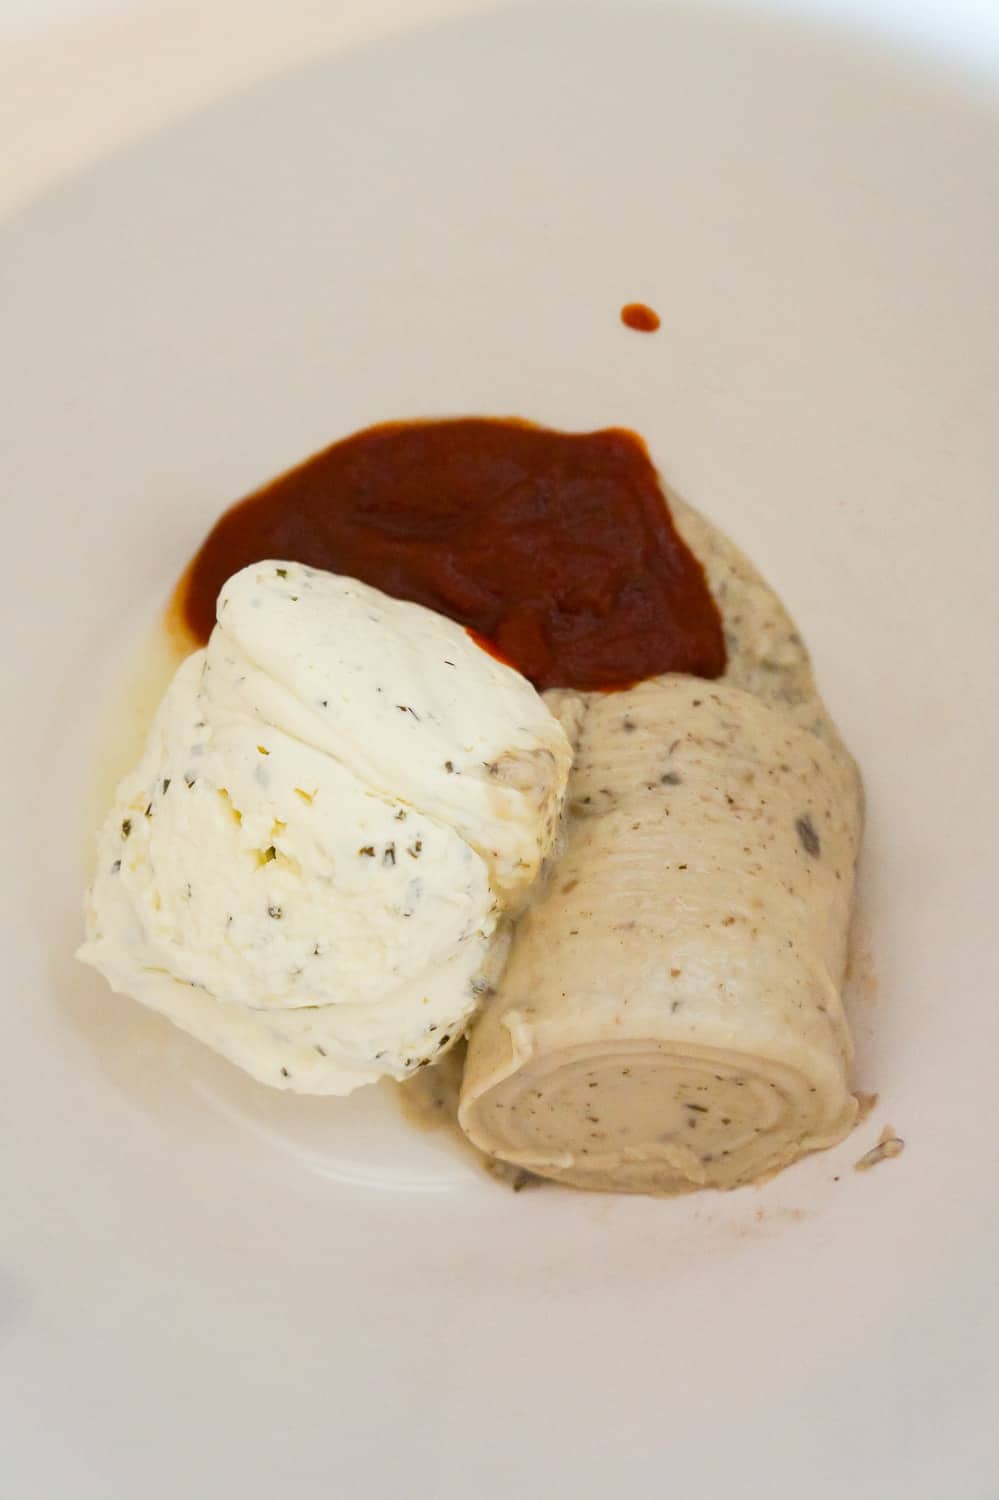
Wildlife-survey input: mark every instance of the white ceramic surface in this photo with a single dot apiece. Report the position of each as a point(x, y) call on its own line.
point(206, 1288)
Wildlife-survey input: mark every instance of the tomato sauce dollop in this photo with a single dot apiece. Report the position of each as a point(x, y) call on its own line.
point(556, 549)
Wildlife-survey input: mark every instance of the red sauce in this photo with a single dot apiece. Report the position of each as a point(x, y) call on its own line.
point(639, 317)
point(556, 548)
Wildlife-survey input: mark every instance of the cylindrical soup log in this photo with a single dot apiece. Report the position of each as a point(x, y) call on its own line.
point(670, 1017)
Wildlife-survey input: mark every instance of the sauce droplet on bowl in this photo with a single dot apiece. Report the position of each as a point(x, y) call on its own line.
point(639, 317)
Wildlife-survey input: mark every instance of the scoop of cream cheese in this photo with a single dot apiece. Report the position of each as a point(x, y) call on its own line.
point(340, 801)
point(403, 698)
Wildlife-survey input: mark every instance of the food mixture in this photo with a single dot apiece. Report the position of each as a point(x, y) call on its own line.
point(483, 737)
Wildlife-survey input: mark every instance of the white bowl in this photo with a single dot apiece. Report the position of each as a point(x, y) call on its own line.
point(206, 1288)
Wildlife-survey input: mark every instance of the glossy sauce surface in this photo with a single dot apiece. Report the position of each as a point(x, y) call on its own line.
point(556, 550)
